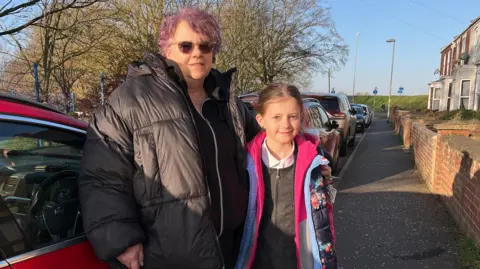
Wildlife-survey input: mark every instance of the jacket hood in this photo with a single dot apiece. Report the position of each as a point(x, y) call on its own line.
point(218, 85)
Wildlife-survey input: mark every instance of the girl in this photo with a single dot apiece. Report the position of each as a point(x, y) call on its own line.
point(289, 221)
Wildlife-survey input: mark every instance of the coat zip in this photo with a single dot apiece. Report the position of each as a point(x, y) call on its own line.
point(216, 166)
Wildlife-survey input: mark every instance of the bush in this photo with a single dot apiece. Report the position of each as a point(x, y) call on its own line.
point(461, 114)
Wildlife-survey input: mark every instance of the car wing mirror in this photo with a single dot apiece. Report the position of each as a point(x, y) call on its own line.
point(334, 124)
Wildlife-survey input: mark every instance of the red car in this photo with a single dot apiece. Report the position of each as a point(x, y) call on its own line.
point(40, 217)
point(316, 121)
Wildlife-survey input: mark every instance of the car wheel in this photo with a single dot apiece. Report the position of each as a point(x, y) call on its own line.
point(343, 146)
point(352, 141)
point(362, 130)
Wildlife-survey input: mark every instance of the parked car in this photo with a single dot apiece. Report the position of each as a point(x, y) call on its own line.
point(367, 113)
point(316, 121)
point(339, 107)
point(40, 216)
point(361, 118)
point(250, 100)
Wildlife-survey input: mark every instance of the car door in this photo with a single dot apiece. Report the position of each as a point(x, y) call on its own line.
point(352, 123)
point(40, 217)
point(317, 125)
point(311, 122)
point(333, 141)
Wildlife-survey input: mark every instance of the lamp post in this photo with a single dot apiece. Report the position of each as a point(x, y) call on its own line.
point(391, 40)
point(355, 65)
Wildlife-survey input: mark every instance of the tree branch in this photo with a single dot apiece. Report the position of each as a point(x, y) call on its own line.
point(45, 14)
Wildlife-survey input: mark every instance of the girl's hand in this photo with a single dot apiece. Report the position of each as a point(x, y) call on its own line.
point(327, 174)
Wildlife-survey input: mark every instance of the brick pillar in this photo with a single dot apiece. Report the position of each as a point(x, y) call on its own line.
point(407, 132)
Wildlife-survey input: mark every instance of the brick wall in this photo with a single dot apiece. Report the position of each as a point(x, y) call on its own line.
point(458, 178)
point(424, 146)
point(448, 161)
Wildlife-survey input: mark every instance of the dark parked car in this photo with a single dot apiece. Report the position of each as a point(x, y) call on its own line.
point(361, 118)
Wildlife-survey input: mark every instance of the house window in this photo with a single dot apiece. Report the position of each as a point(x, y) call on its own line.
point(458, 49)
point(449, 98)
point(465, 94)
point(476, 50)
point(444, 65)
point(475, 40)
point(436, 99)
point(448, 62)
point(464, 47)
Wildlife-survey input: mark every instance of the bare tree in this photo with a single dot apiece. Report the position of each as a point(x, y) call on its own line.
point(19, 13)
point(59, 46)
point(285, 40)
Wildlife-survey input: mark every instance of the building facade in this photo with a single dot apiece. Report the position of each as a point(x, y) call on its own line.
point(459, 83)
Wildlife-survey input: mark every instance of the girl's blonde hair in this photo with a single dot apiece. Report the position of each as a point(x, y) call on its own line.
point(276, 90)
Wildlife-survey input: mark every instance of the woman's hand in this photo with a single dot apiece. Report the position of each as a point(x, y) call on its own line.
point(132, 258)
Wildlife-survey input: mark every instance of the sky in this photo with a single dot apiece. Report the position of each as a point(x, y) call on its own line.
point(421, 28)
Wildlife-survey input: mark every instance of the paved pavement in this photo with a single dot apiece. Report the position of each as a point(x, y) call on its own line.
point(384, 215)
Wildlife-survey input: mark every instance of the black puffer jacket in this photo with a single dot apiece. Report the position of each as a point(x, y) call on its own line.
point(142, 179)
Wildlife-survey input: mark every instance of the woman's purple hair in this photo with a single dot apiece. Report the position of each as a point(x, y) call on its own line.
point(201, 22)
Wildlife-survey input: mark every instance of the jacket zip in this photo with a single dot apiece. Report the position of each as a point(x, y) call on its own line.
point(216, 166)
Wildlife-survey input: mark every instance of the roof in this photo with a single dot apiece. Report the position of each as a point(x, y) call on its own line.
point(11, 105)
point(472, 23)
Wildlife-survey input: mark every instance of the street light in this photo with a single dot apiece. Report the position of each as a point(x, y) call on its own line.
point(355, 65)
point(391, 40)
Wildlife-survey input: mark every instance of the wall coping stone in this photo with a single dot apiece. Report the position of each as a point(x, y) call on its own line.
point(463, 144)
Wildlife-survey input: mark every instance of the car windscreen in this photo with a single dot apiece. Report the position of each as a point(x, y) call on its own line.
point(358, 109)
point(329, 103)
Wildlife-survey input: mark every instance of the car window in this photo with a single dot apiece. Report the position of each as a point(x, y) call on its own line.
point(38, 186)
point(330, 103)
point(314, 118)
point(343, 106)
point(324, 117)
point(346, 103)
point(358, 109)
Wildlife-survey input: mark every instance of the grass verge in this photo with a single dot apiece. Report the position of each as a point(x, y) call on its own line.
point(469, 253)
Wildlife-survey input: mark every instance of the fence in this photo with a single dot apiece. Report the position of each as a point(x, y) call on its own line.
point(25, 80)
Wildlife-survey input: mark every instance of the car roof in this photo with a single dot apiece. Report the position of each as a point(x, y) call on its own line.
point(355, 104)
point(323, 94)
point(21, 107)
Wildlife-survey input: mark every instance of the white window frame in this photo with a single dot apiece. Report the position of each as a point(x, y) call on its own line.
point(436, 98)
point(464, 96)
point(449, 96)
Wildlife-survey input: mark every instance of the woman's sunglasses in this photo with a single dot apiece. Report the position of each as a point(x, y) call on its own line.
point(186, 47)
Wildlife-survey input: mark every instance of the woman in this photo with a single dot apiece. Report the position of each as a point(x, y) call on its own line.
point(163, 181)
